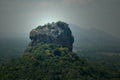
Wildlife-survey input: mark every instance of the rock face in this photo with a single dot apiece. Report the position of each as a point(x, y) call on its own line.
point(58, 32)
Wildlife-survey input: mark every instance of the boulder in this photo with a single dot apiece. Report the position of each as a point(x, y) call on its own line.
point(58, 32)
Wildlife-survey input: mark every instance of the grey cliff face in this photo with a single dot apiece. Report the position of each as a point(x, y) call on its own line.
point(58, 32)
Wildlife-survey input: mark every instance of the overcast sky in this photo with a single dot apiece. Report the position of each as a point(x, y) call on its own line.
point(18, 17)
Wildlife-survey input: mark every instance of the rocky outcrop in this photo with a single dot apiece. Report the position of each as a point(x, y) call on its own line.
point(58, 32)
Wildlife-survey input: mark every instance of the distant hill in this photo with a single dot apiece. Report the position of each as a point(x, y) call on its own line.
point(92, 38)
point(12, 48)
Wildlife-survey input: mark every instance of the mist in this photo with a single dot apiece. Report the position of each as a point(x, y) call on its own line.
point(17, 18)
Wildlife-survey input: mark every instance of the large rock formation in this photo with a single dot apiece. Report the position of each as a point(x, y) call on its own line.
point(58, 32)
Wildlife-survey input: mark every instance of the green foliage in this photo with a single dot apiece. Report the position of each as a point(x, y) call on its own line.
point(49, 61)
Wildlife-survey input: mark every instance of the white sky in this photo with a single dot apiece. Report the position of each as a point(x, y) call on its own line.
point(18, 17)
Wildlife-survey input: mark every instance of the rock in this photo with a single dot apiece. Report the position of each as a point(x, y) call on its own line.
point(58, 32)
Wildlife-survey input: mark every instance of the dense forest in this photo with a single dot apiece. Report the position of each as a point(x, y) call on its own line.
point(53, 62)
